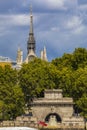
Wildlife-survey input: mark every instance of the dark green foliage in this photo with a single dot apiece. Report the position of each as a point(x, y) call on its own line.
point(64, 61)
point(11, 95)
point(75, 60)
point(79, 58)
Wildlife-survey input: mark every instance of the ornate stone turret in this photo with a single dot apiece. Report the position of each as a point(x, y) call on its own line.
point(44, 54)
point(31, 41)
point(19, 57)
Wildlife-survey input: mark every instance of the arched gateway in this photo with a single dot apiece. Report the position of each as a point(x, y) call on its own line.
point(52, 105)
point(55, 110)
point(53, 115)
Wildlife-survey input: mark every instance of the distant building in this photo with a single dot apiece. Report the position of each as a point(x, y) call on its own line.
point(43, 54)
point(6, 61)
point(31, 47)
point(19, 59)
point(19, 56)
point(56, 110)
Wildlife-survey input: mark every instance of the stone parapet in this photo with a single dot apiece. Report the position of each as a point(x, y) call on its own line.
point(56, 101)
point(19, 122)
point(75, 122)
point(65, 126)
point(53, 94)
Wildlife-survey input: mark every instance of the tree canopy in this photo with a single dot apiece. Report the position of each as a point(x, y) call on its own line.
point(68, 72)
point(36, 76)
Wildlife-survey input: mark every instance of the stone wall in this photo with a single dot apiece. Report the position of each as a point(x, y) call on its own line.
point(21, 121)
point(42, 111)
point(32, 124)
point(26, 121)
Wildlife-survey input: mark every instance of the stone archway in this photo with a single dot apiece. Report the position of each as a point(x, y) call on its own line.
point(54, 115)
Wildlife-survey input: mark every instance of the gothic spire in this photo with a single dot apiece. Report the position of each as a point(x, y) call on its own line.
point(31, 40)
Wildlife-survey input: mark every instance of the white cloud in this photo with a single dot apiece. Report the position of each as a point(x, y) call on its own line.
point(75, 25)
point(74, 22)
point(49, 4)
point(54, 29)
point(55, 3)
point(8, 22)
point(83, 7)
point(79, 29)
point(17, 19)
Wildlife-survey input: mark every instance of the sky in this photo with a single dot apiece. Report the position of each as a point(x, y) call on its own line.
point(59, 25)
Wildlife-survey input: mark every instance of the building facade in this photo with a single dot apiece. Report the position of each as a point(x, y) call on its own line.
point(55, 110)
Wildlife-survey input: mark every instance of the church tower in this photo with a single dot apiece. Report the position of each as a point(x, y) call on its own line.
point(31, 47)
point(19, 57)
point(44, 54)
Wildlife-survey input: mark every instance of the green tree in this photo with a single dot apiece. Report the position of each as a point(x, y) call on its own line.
point(11, 94)
point(66, 81)
point(36, 76)
point(75, 60)
point(73, 76)
point(82, 104)
point(64, 61)
point(80, 83)
point(79, 58)
point(2, 106)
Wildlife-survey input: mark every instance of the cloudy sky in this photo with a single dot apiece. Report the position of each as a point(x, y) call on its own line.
point(60, 25)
